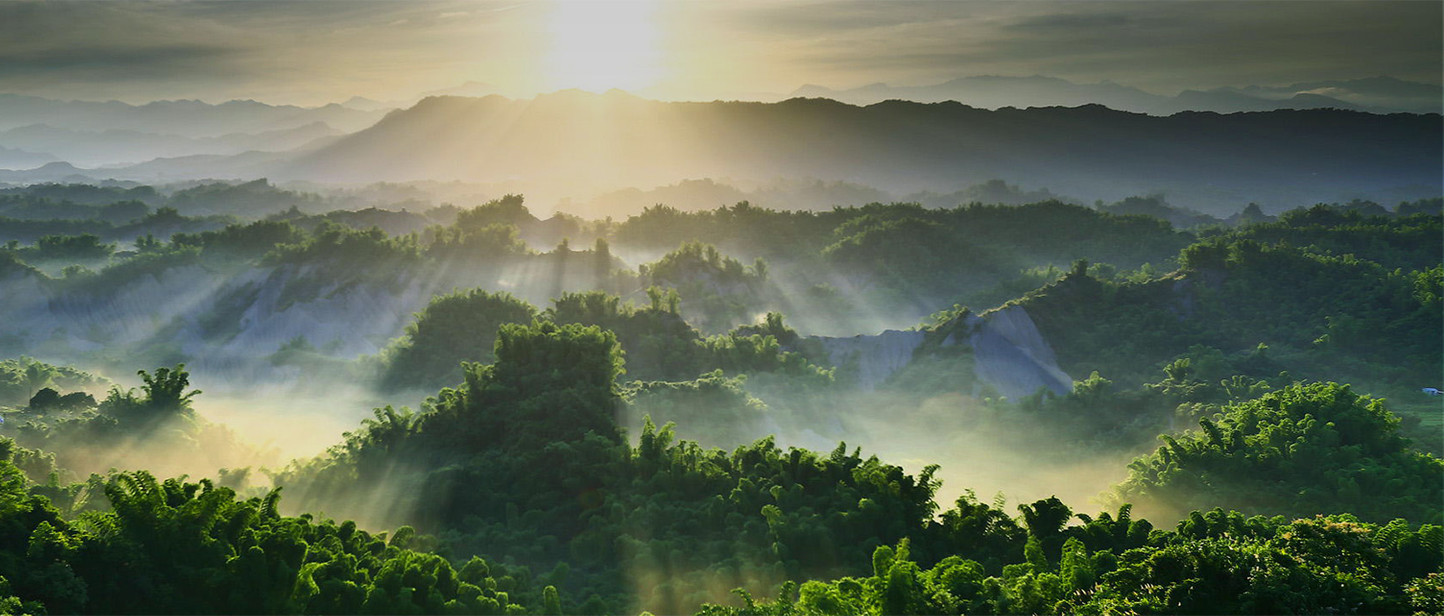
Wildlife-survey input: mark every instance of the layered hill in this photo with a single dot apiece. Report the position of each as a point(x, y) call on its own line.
point(1091, 151)
point(190, 118)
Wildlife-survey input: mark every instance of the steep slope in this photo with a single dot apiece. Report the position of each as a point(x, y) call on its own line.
point(1009, 354)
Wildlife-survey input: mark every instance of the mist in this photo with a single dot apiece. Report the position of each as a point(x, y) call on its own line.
point(611, 154)
point(594, 307)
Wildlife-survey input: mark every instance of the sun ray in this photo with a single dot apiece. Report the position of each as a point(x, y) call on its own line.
point(599, 45)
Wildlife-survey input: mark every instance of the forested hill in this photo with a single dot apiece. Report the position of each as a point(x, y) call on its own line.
point(534, 476)
point(1089, 150)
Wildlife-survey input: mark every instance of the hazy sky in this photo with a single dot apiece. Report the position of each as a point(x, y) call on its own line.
point(329, 50)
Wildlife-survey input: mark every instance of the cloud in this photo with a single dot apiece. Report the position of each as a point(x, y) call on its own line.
point(1160, 45)
point(162, 59)
point(1069, 21)
point(318, 51)
point(844, 16)
point(309, 52)
point(74, 44)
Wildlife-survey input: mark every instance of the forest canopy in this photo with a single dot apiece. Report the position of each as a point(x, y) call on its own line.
point(561, 415)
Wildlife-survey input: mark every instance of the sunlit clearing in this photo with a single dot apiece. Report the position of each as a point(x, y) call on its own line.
point(598, 45)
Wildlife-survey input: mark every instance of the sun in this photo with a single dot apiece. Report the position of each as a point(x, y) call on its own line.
point(598, 45)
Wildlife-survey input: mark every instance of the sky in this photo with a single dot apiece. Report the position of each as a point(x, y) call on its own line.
point(322, 51)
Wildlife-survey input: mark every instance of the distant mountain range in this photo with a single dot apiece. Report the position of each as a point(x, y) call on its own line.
point(187, 118)
point(36, 130)
point(1208, 161)
point(1375, 95)
point(16, 158)
point(1089, 151)
point(111, 147)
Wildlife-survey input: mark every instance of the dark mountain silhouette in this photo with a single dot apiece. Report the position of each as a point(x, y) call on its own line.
point(995, 91)
point(1089, 151)
point(1378, 92)
point(1206, 161)
point(1375, 94)
point(1233, 101)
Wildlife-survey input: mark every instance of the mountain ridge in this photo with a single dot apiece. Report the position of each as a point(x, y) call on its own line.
point(188, 118)
point(1205, 160)
point(1373, 94)
point(1076, 150)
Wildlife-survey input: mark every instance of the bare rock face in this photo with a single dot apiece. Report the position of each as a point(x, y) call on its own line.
point(227, 325)
point(347, 321)
point(877, 357)
point(1011, 356)
point(25, 304)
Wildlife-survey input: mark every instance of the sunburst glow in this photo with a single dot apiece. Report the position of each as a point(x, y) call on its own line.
point(602, 44)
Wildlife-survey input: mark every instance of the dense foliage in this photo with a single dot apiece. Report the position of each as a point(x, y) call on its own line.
point(1321, 315)
point(537, 426)
point(1214, 563)
point(716, 290)
point(85, 437)
point(1297, 451)
point(174, 547)
point(674, 522)
point(452, 329)
point(659, 344)
point(24, 377)
point(546, 475)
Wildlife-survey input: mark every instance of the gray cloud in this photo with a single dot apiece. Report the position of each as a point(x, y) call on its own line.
point(1069, 21)
point(839, 17)
point(163, 60)
point(85, 46)
point(1158, 45)
point(329, 50)
point(287, 51)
